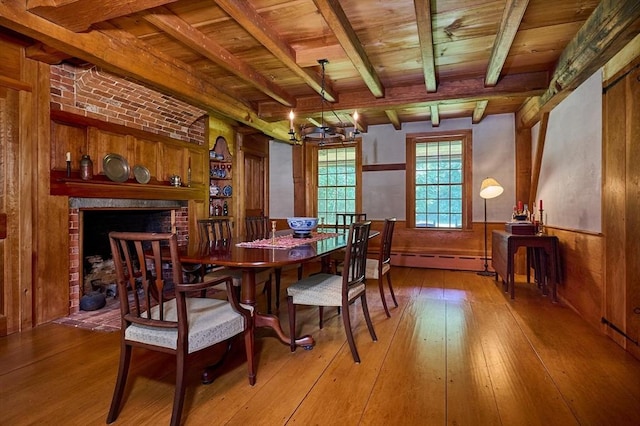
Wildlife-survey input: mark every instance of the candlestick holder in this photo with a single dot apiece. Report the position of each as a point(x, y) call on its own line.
point(273, 232)
point(541, 223)
point(68, 168)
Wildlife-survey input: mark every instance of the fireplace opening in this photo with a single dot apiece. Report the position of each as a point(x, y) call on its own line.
point(98, 271)
point(91, 220)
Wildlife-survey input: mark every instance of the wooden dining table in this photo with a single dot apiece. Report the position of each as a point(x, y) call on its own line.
point(251, 259)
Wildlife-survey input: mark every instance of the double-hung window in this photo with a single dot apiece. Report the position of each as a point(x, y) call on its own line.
point(438, 180)
point(338, 175)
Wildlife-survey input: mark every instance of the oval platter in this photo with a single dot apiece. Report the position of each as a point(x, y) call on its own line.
point(141, 173)
point(226, 191)
point(116, 167)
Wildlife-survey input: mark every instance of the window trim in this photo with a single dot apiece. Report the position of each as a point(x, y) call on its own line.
point(312, 174)
point(467, 208)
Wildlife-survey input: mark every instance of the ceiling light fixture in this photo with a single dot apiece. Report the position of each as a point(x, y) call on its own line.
point(324, 132)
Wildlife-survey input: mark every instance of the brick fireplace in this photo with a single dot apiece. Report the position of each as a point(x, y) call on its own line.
point(105, 213)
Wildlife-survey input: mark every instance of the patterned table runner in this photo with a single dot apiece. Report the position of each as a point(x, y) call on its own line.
point(286, 241)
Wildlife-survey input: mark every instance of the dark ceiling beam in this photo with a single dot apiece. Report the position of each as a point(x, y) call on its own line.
point(79, 15)
point(511, 18)
point(612, 25)
point(248, 18)
point(153, 68)
point(194, 39)
point(338, 22)
point(425, 35)
point(449, 92)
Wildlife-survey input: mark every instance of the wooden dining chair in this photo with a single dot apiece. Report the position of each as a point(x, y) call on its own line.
point(343, 221)
point(218, 231)
point(332, 290)
point(214, 229)
point(381, 266)
point(258, 227)
point(158, 318)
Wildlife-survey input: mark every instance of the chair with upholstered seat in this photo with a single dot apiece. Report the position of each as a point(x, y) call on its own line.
point(380, 267)
point(325, 289)
point(170, 320)
point(257, 227)
point(218, 231)
point(342, 223)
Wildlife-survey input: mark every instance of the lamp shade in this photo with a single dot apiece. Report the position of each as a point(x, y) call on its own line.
point(490, 188)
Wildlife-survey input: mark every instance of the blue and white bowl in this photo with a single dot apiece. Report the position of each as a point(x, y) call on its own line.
point(302, 226)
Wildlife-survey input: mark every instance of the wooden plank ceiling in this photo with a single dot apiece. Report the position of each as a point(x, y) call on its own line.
point(398, 61)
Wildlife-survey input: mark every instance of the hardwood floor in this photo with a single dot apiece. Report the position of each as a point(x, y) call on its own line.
point(456, 351)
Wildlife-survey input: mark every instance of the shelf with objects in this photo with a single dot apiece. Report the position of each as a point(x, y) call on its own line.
point(220, 180)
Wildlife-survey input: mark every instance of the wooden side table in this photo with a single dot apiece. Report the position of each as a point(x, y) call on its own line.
point(504, 246)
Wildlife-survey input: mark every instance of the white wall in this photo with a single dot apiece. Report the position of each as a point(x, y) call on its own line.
point(280, 180)
point(384, 191)
point(571, 172)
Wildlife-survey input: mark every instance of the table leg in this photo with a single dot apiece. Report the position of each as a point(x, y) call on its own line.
point(554, 270)
point(511, 280)
point(266, 320)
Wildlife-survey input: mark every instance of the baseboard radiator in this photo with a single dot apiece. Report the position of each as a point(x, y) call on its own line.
point(440, 261)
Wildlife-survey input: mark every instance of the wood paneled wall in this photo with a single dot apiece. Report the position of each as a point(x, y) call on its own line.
point(621, 204)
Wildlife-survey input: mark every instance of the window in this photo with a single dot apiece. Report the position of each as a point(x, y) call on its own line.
point(438, 175)
point(338, 174)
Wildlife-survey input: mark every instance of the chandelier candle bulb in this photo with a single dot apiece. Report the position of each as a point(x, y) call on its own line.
point(291, 119)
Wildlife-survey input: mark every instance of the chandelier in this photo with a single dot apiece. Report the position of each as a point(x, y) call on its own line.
point(324, 132)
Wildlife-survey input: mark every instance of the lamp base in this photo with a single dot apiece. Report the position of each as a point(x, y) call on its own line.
point(487, 273)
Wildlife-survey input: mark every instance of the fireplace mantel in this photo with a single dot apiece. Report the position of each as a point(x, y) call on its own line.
point(101, 187)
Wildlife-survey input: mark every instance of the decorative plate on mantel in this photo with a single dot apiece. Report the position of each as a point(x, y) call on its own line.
point(141, 173)
point(115, 167)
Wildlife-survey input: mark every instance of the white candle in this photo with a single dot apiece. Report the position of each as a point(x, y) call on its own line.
point(291, 119)
point(68, 156)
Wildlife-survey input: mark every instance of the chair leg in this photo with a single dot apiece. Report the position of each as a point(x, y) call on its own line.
point(121, 381)
point(292, 323)
point(178, 399)
point(320, 316)
point(347, 328)
point(384, 301)
point(393, 295)
point(365, 310)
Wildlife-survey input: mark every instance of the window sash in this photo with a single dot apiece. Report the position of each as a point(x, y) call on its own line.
point(336, 182)
point(438, 178)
